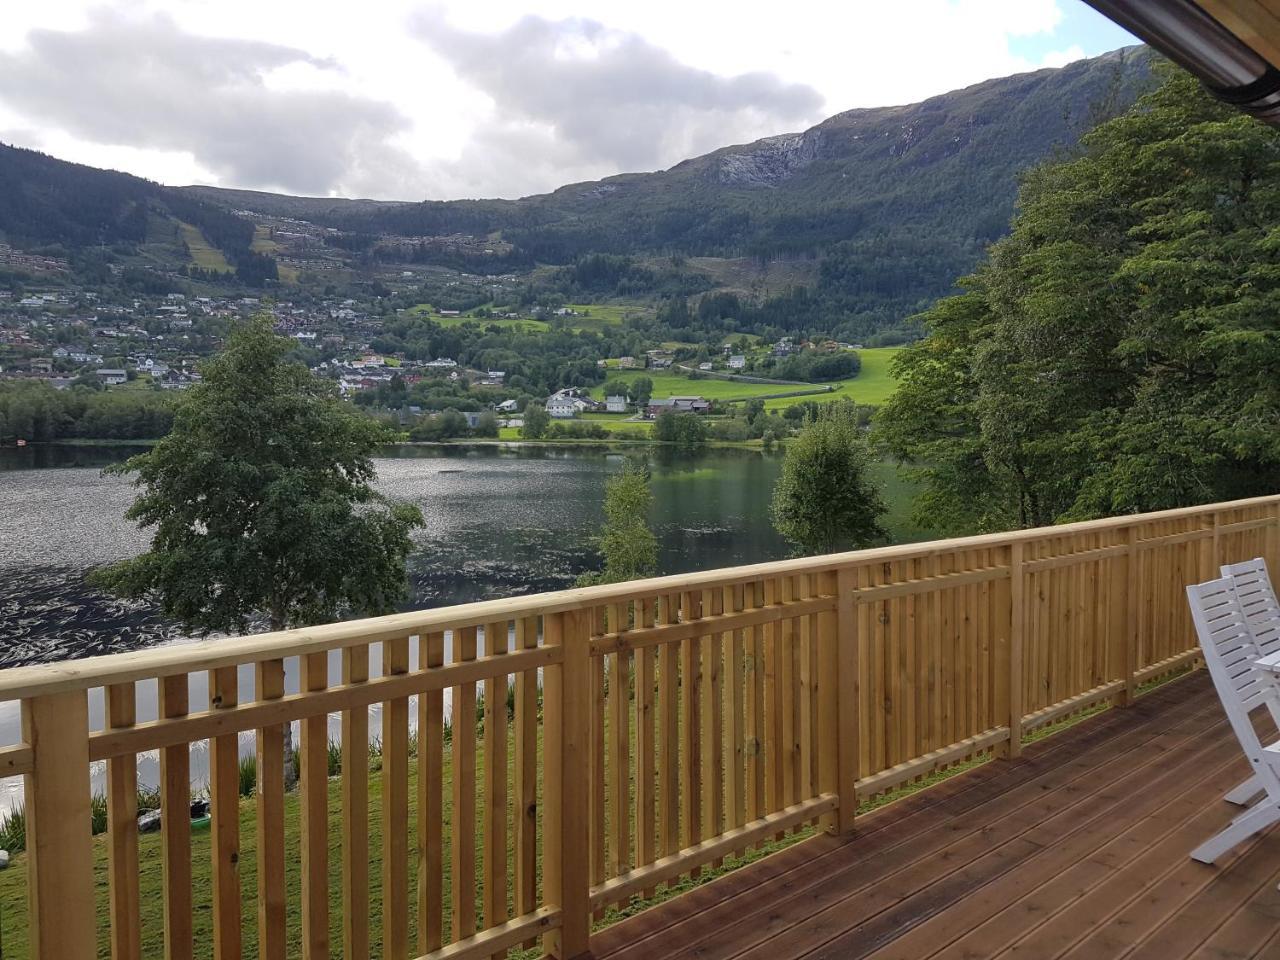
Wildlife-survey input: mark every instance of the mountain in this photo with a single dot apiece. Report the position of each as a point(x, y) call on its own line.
point(47, 202)
point(896, 202)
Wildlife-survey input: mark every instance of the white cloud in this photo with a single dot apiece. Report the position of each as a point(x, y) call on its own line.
point(503, 98)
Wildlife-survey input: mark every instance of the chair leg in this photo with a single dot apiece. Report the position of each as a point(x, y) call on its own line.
point(1241, 828)
point(1245, 792)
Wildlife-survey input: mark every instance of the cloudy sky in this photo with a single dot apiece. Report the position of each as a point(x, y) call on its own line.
point(408, 100)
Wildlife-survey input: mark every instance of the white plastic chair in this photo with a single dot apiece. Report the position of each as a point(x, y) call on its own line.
point(1229, 652)
point(1257, 597)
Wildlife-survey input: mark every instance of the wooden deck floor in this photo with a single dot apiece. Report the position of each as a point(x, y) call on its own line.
point(1079, 850)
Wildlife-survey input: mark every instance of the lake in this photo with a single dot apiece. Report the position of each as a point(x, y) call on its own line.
point(501, 520)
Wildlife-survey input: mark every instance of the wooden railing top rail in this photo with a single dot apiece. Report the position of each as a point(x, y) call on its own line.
point(43, 679)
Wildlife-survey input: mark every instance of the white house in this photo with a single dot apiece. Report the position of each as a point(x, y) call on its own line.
point(508, 406)
point(562, 406)
point(113, 378)
point(615, 404)
point(737, 362)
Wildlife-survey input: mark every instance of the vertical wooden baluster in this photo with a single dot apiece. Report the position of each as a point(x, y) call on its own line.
point(525, 791)
point(827, 729)
point(224, 798)
point(355, 811)
point(269, 806)
point(60, 899)
point(804, 690)
point(848, 712)
point(895, 696)
point(175, 825)
point(734, 734)
point(774, 647)
point(690, 729)
point(619, 746)
point(755, 719)
point(462, 847)
point(788, 682)
point(565, 815)
point(1017, 645)
point(1129, 641)
point(430, 800)
point(669, 733)
point(712, 693)
point(122, 830)
point(935, 736)
point(496, 639)
point(645, 660)
point(599, 775)
point(395, 807)
point(313, 813)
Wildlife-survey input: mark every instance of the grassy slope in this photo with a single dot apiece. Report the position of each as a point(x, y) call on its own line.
point(203, 254)
point(872, 385)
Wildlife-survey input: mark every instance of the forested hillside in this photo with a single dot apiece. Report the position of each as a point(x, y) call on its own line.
point(1118, 352)
point(50, 203)
point(898, 201)
point(892, 204)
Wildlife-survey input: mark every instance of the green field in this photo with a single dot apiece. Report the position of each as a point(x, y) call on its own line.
point(203, 254)
point(872, 385)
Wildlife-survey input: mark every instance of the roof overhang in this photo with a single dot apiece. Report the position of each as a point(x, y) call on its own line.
point(1231, 45)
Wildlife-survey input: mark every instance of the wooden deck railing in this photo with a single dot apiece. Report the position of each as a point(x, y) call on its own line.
point(678, 720)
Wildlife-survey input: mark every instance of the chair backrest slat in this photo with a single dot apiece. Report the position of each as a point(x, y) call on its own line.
point(1257, 599)
point(1229, 651)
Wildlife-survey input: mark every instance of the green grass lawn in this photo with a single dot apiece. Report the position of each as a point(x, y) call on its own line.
point(872, 385)
point(203, 254)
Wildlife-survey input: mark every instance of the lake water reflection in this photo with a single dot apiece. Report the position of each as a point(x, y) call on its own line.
point(500, 521)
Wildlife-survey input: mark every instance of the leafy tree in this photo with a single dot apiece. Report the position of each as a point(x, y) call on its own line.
point(686, 429)
point(641, 390)
point(262, 501)
point(824, 500)
point(536, 422)
point(487, 426)
point(615, 387)
point(628, 546)
point(1118, 351)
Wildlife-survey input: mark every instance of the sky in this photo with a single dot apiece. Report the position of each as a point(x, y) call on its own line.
point(408, 100)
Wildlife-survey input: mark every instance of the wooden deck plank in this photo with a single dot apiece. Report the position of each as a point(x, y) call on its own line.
point(1175, 828)
point(886, 841)
point(1078, 849)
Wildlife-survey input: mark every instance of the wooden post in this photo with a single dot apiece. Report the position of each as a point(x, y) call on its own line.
point(59, 835)
point(1132, 595)
point(224, 840)
point(313, 812)
point(566, 722)
point(269, 804)
point(175, 825)
point(122, 831)
point(843, 663)
point(1017, 643)
point(355, 812)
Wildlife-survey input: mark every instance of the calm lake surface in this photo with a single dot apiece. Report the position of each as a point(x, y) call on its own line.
point(500, 521)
